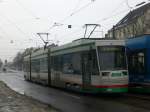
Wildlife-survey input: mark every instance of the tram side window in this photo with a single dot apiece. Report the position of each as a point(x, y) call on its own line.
point(43, 65)
point(76, 63)
point(137, 62)
point(56, 63)
point(72, 63)
point(35, 65)
point(26, 66)
point(95, 70)
point(90, 62)
point(67, 64)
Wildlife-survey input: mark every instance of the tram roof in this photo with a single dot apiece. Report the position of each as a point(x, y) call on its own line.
point(88, 41)
point(138, 43)
point(77, 45)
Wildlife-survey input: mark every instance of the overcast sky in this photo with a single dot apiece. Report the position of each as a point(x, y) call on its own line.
point(20, 20)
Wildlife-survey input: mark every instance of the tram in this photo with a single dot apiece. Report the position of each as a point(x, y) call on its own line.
point(138, 51)
point(86, 65)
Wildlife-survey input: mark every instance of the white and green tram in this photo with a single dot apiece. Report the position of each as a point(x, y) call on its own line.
point(87, 65)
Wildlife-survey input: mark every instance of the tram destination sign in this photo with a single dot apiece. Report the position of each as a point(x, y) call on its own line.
point(110, 48)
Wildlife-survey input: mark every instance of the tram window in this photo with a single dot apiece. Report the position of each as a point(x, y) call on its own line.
point(72, 63)
point(76, 62)
point(35, 65)
point(94, 63)
point(112, 57)
point(137, 62)
point(67, 65)
point(56, 63)
point(90, 62)
point(26, 66)
point(43, 65)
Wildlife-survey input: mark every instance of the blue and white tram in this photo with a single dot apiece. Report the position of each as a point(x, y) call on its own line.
point(138, 51)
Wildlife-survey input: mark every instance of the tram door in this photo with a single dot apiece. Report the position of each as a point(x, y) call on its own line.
point(86, 69)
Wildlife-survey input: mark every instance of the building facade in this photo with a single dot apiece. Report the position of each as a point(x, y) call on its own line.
point(135, 23)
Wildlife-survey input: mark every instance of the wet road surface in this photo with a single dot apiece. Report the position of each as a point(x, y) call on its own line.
point(73, 102)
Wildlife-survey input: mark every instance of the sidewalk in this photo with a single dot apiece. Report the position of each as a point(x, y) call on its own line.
point(10, 101)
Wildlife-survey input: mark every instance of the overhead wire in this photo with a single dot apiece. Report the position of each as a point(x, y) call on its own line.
point(77, 5)
point(72, 14)
point(114, 15)
point(77, 11)
point(80, 9)
point(129, 9)
point(26, 9)
point(85, 7)
point(104, 19)
point(16, 26)
point(118, 6)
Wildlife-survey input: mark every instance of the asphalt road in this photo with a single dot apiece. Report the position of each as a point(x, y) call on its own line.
point(73, 102)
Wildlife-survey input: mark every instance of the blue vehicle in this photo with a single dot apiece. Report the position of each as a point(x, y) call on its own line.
point(138, 51)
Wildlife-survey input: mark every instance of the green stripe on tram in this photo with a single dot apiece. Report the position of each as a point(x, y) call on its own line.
point(106, 90)
point(111, 90)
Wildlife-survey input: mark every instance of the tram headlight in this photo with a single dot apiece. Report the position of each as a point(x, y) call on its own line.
point(105, 74)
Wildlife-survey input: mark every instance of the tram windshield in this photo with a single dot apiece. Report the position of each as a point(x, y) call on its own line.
point(112, 57)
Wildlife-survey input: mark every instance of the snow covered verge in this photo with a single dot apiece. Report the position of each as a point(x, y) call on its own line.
point(11, 101)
